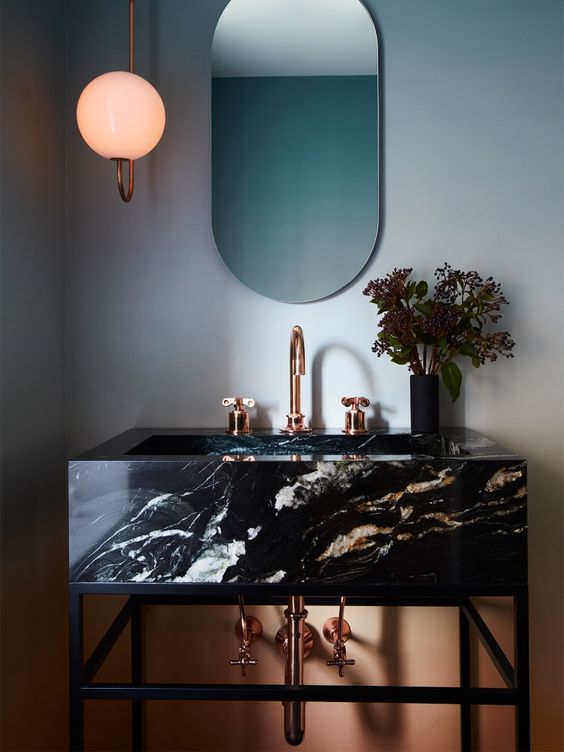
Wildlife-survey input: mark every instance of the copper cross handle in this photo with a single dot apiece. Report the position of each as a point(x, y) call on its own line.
point(340, 658)
point(338, 631)
point(354, 402)
point(244, 659)
point(238, 402)
point(354, 418)
point(248, 629)
point(238, 417)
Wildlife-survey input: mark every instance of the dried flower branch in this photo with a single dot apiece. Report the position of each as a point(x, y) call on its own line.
point(427, 333)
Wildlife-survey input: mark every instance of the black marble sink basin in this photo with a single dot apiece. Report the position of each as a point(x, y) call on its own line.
point(268, 444)
point(188, 507)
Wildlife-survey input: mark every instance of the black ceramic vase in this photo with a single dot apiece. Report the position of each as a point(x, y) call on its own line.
point(424, 393)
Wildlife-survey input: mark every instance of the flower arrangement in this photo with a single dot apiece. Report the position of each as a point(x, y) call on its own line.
point(427, 332)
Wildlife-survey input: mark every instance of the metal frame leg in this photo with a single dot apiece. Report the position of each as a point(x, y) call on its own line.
point(136, 675)
point(464, 658)
point(522, 710)
point(76, 657)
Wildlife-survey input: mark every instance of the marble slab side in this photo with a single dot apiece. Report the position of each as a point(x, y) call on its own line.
point(414, 520)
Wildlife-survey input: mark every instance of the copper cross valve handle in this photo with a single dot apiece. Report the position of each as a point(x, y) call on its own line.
point(238, 417)
point(355, 418)
point(337, 631)
point(248, 629)
point(244, 659)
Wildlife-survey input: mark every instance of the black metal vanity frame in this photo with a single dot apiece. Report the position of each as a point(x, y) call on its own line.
point(515, 675)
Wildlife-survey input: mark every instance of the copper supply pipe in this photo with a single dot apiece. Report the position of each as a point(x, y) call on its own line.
point(294, 712)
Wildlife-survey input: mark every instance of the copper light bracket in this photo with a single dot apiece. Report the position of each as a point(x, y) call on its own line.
point(127, 195)
point(119, 161)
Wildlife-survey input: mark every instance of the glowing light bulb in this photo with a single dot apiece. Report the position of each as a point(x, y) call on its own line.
point(120, 115)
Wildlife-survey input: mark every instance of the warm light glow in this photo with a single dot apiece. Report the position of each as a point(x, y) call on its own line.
point(120, 115)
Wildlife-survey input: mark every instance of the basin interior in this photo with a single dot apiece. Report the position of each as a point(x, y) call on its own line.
point(434, 445)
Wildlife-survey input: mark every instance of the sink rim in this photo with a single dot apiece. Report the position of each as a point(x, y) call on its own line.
point(472, 445)
point(280, 446)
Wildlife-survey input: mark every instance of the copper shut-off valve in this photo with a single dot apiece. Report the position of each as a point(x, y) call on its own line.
point(337, 631)
point(248, 630)
point(355, 419)
point(238, 417)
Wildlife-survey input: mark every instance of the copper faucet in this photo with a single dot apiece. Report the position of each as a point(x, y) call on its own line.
point(296, 420)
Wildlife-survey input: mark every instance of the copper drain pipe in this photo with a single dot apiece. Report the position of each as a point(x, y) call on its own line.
point(294, 712)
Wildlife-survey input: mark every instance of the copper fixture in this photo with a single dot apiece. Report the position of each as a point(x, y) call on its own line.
point(337, 631)
point(296, 420)
point(238, 417)
point(121, 116)
point(281, 640)
point(354, 418)
point(248, 630)
point(127, 196)
point(294, 712)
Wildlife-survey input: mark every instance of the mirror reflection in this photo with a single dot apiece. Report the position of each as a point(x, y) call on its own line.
point(295, 144)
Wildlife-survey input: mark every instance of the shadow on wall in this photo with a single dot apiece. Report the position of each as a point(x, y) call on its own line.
point(385, 720)
point(373, 414)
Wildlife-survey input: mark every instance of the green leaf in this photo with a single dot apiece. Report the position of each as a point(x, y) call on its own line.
point(452, 378)
point(476, 362)
point(410, 289)
point(391, 340)
point(443, 344)
point(421, 289)
point(425, 308)
point(401, 361)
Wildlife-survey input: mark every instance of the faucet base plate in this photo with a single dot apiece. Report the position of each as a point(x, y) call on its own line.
point(296, 424)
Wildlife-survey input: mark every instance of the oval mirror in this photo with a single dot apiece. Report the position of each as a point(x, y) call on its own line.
point(295, 144)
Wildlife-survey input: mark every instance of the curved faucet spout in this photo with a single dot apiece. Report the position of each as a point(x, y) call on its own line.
point(297, 352)
point(296, 420)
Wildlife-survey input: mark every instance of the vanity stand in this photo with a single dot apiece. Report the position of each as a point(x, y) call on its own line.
point(386, 519)
point(514, 673)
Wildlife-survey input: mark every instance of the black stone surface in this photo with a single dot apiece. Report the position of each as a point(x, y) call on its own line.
point(203, 507)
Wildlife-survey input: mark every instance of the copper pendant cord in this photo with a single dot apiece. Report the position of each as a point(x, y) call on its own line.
point(131, 37)
point(126, 196)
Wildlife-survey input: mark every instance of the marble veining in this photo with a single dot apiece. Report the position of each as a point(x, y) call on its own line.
point(450, 517)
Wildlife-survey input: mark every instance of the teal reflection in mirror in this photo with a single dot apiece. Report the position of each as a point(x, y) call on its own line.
point(295, 144)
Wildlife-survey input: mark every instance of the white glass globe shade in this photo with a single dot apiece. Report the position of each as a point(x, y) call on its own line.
point(120, 115)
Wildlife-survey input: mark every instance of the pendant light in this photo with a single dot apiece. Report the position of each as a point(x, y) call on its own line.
point(121, 116)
